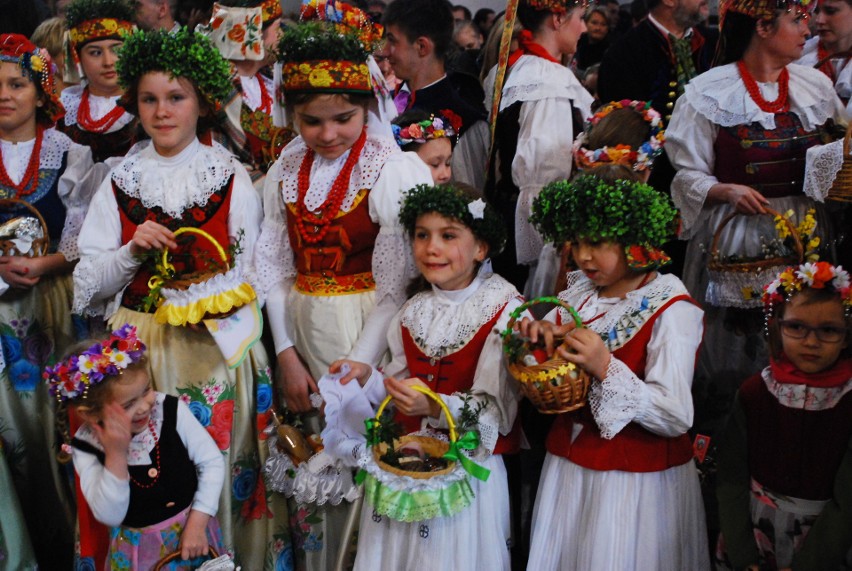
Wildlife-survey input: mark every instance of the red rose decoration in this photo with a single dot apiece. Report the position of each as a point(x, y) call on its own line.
point(255, 506)
point(222, 423)
point(822, 275)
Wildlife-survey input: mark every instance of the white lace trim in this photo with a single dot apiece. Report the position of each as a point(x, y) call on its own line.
point(98, 107)
point(804, 397)
point(533, 78)
point(393, 266)
point(141, 445)
point(324, 172)
point(689, 191)
point(177, 183)
point(822, 164)
point(87, 285)
point(622, 318)
point(218, 284)
point(440, 326)
point(319, 480)
point(720, 96)
point(615, 401)
point(273, 257)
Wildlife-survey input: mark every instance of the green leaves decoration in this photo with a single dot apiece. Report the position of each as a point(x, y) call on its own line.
point(80, 11)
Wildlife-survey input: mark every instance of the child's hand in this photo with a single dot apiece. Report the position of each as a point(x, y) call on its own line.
point(411, 402)
point(151, 236)
point(113, 429)
point(585, 348)
point(546, 330)
point(193, 540)
point(357, 370)
point(16, 271)
point(295, 381)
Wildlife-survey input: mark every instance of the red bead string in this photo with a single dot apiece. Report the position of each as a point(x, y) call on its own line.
point(265, 97)
point(320, 219)
point(780, 104)
point(156, 455)
point(29, 182)
point(102, 125)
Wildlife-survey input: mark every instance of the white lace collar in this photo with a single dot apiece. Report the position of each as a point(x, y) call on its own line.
point(804, 397)
point(141, 445)
point(98, 107)
point(442, 322)
point(620, 319)
point(324, 172)
point(174, 183)
point(721, 97)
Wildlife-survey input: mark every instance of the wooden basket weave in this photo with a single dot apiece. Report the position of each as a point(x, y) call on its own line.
point(40, 245)
point(175, 556)
point(841, 189)
point(554, 386)
point(715, 264)
point(183, 282)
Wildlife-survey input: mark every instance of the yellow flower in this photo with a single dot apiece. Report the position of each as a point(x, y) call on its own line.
point(304, 69)
point(781, 227)
point(787, 277)
point(806, 227)
point(37, 63)
point(320, 78)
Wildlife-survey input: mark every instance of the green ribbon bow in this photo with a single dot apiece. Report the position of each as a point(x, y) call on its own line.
point(468, 441)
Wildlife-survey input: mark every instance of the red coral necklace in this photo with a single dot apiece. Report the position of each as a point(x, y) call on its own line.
point(102, 125)
point(781, 104)
point(154, 472)
point(265, 98)
point(29, 182)
point(319, 220)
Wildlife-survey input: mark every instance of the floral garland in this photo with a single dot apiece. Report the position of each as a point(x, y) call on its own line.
point(71, 378)
point(558, 6)
point(36, 64)
point(636, 159)
point(813, 275)
point(445, 125)
point(451, 202)
point(762, 9)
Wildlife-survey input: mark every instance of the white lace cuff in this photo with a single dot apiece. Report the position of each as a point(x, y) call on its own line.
point(68, 243)
point(821, 167)
point(99, 278)
point(616, 400)
point(273, 258)
point(689, 192)
point(393, 265)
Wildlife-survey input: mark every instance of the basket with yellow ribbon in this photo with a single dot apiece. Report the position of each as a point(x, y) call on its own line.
point(418, 476)
point(553, 384)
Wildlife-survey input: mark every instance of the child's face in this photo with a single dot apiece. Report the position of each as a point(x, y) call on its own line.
point(168, 111)
point(98, 62)
point(438, 154)
point(446, 251)
point(18, 101)
point(133, 392)
point(822, 329)
point(330, 124)
point(604, 263)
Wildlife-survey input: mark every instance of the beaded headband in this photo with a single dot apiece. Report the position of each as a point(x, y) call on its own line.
point(811, 275)
point(636, 159)
point(444, 125)
point(762, 9)
point(36, 64)
point(557, 6)
point(71, 379)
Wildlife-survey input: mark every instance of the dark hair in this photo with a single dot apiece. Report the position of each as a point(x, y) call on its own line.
point(430, 18)
point(735, 36)
point(638, 10)
point(531, 18)
point(467, 15)
point(807, 296)
point(482, 14)
point(650, 4)
point(624, 126)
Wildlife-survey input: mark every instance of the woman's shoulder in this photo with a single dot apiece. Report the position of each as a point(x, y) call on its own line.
point(533, 78)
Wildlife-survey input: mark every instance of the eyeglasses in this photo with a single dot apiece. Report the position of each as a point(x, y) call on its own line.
point(824, 333)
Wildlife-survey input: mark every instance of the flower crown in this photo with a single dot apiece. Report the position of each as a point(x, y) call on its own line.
point(452, 202)
point(813, 275)
point(636, 159)
point(445, 125)
point(557, 6)
point(70, 379)
point(762, 9)
point(38, 66)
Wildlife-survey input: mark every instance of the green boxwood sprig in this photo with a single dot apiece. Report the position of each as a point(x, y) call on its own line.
point(317, 40)
point(80, 11)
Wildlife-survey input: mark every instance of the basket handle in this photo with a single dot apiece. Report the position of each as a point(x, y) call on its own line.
point(431, 394)
point(200, 232)
point(175, 556)
point(797, 240)
point(516, 313)
point(4, 202)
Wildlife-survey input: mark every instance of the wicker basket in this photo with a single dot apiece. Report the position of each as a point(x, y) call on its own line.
point(184, 281)
point(554, 386)
point(175, 556)
point(841, 189)
point(40, 245)
point(714, 263)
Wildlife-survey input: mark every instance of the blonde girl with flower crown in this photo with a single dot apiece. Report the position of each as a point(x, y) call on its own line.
point(175, 82)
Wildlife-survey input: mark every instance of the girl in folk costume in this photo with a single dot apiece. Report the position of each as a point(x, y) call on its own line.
point(174, 82)
point(45, 170)
point(96, 30)
point(146, 466)
point(431, 138)
point(444, 338)
point(247, 33)
point(619, 489)
point(332, 256)
point(785, 458)
point(738, 139)
point(541, 109)
point(829, 49)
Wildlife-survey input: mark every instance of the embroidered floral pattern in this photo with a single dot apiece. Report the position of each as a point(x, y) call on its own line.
point(300, 526)
point(99, 28)
point(263, 402)
point(213, 405)
point(248, 490)
point(331, 75)
point(26, 349)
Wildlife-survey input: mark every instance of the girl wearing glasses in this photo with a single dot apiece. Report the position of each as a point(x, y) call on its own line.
point(785, 460)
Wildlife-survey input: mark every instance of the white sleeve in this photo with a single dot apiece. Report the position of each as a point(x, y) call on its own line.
point(393, 264)
point(470, 157)
point(106, 266)
point(689, 146)
point(245, 214)
point(207, 458)
point(662, 402)
point(543, 156)
point(107, 495)
point(76, 186)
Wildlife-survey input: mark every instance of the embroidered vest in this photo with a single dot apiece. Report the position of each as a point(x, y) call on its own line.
point(770, 161)
point(194, 254)
point(634, 449)
point(792, 451)
point(342, 262)
point(45, 199)
point(453, 373)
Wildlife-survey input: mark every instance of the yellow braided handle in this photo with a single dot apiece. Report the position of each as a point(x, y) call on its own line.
point(431, 394)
